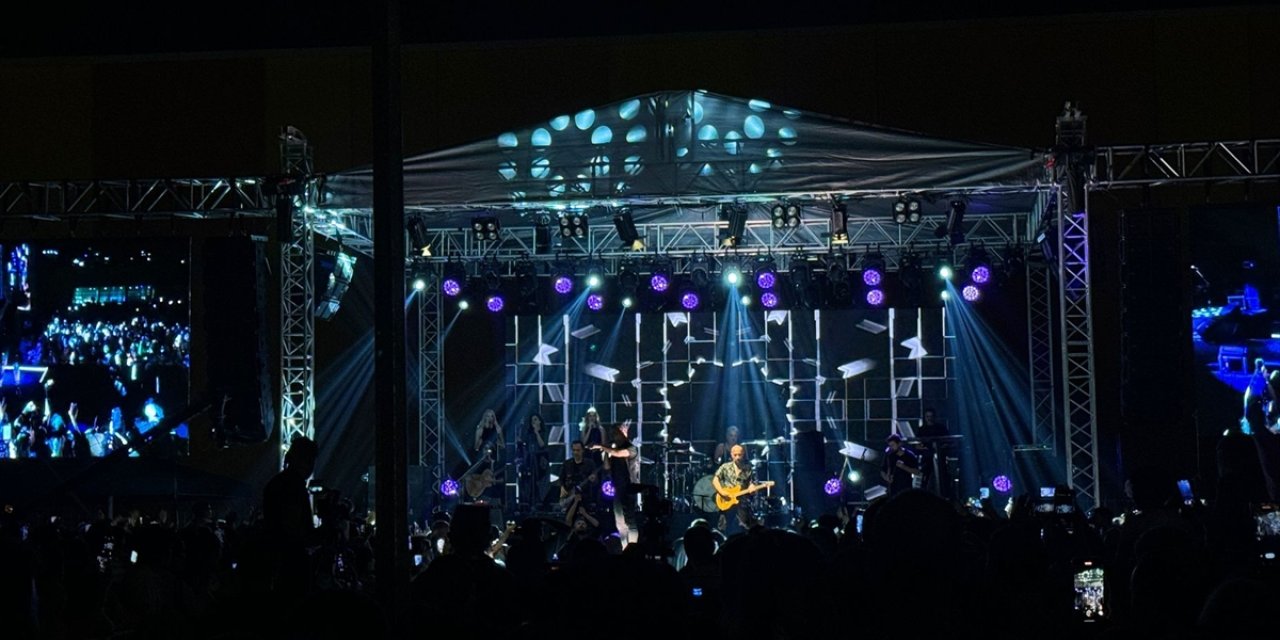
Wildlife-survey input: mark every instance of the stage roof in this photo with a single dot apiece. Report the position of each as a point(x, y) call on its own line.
point(676, 149)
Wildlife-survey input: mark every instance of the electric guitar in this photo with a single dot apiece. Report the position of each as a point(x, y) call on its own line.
point(724, 503)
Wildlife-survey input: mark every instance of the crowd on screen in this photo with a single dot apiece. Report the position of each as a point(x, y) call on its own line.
point(138, 341)
point(36, 431)
point(920, 566)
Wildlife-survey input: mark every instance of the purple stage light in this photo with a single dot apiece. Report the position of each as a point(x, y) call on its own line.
point(1002, 483)
point(872, 277)
point(689, 300)
point(659, 283)
point(449, 488)
point(766, 280)
point(769, 299)
point(971, 293)
point(451, 287)
point(607, 489)
point(875, 297)
point(832, 486)
point(981, 274)
point(563, 285)
point(595, 302)
point(494, 303)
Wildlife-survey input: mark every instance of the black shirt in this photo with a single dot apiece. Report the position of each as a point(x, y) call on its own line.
point(900, 478)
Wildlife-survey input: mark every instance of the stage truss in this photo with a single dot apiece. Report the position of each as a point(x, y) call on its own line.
point(1111, 168)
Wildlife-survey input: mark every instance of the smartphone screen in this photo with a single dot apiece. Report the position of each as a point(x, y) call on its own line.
point(984, 493)
point(858, 523)
point(1184, 488)
point(1090, 592)
point(1048, 492)
point(417, 559)
point(1267, 522)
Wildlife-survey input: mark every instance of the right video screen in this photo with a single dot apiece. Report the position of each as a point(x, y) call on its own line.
point(1235, 315)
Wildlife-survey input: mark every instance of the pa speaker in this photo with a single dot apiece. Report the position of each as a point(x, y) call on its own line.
point(236, 312)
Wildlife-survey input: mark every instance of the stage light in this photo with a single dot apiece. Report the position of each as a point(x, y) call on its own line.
point(494, 302)
point(454, 279)
point(732, 275)
point(527, 281)
point(971, 293)
point(944, 269)
point(659, 282)
point(778, 214)
point(906, 210)
point(627, 301)
point(700, 269)
point(746, 301)
point(1002, 483)
point(595, 274)
point(625, 225)
point(945, 296)
point(485, 228)
point(769, 299)
point(980, 274)
point(449, 488)
point(464, 305)
point(766, 273)
point(574, 225)
point(1014, 263)
point(736, 216)
point(979, 265)
point(839, 223)
point(832, 486)
point(689, 300)
point(801, 282)
point(563, 284)
point(854, 477)
point(595, 302)
point(491, 271)
point(607, 489)
point(419, 284)
point(953, 227)
point(909, 272)
point(419, 240)
point(152, 411)
point(785, 215)
point(873, 269)
point(875, 297)
point(838, 276)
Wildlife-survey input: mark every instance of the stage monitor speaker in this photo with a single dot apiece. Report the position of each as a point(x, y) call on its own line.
point(236, 326)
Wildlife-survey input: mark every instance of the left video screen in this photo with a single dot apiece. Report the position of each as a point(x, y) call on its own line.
point(94, 347)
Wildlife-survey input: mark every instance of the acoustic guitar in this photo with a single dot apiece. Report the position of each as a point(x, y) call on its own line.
point(724, 503)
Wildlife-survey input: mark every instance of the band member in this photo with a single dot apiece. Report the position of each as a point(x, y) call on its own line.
point(578, 475)
point(590, 430)
point(900, 466)
point(622, 458)
point(723, 450)
point(732, 476)
point(489, 440)
point(477, 484)
point(531, 456)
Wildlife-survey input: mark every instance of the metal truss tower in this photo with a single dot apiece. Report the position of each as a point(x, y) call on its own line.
point(294, 209)
point(430, 380)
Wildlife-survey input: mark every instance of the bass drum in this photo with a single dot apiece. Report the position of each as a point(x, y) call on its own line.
point(704, 495)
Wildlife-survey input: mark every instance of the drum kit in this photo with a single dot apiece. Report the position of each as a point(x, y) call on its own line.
point(687, 474)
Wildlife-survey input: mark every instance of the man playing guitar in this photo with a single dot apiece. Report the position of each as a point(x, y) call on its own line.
point(732, 480)
point(901, 466)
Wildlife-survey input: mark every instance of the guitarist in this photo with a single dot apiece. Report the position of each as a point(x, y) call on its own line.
point(730, 480)
point(578, 476)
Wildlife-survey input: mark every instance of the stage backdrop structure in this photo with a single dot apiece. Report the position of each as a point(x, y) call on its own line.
point(662, 183)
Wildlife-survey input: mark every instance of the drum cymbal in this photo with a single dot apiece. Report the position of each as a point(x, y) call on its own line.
point(764, 443)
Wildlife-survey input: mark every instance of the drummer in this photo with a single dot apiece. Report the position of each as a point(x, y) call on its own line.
point(723, 450)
